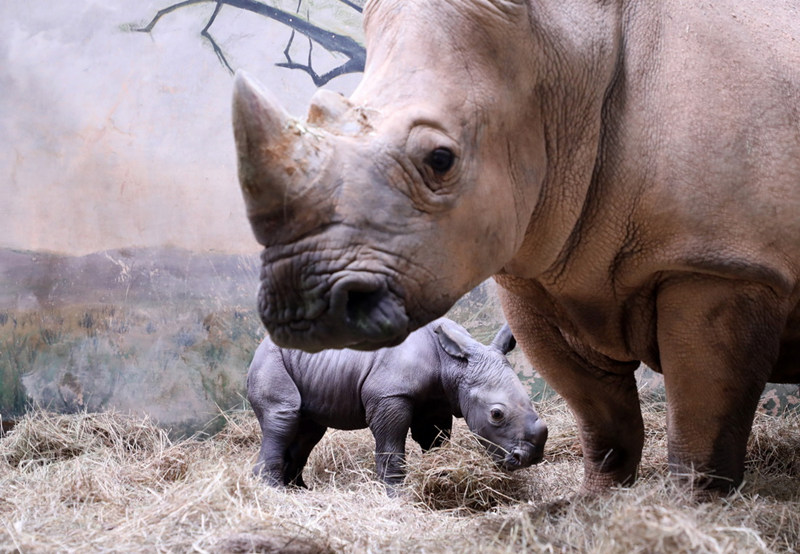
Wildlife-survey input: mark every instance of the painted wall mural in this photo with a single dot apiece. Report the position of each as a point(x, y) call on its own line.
point(128, 272)
point(331, 41)
point(127, 269)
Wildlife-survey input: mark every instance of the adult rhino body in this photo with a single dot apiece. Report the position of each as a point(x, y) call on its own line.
point(629, 172)
point(438, 372)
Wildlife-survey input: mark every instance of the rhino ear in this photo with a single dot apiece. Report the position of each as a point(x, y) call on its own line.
point(452, 341)
point(504, 341)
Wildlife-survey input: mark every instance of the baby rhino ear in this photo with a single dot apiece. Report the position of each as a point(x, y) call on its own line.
point(504, 341)
point(453, 342)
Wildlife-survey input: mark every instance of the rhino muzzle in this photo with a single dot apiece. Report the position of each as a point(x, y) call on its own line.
point(526, 451)
point(362, 314)
point(523, 455)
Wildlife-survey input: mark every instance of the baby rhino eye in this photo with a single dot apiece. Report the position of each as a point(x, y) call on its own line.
point(496, 414)
point(440, 160)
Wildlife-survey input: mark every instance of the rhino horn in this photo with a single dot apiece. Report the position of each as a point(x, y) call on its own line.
point(266, 144)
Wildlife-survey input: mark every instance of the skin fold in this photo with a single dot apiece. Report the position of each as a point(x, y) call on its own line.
point(628, 172)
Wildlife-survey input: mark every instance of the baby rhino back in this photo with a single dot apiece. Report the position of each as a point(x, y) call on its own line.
point(330, 385)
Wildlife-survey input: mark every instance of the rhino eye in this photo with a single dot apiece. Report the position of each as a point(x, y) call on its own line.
point(497, 414)
point(440, 160)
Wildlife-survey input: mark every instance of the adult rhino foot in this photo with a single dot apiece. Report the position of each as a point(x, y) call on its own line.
point(704, 485)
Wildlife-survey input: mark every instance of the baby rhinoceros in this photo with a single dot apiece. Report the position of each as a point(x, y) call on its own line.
point(438, 372)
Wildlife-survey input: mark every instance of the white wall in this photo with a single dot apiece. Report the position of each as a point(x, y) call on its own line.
point(111, 138)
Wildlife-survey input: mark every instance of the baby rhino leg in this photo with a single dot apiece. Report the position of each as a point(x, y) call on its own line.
point(389, 420)
point(276, 403)
point(308, 435)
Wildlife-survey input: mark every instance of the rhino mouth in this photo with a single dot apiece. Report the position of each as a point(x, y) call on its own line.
point(521, 456)
point(359, 311)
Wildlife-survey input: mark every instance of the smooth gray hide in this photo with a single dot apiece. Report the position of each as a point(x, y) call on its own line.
point(439, 372)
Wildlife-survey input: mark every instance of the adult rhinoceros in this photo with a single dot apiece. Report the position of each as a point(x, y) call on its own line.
point(628, 171)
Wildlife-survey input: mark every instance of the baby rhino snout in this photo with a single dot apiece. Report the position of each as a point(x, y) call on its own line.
point(529, 450)
point(536, 431)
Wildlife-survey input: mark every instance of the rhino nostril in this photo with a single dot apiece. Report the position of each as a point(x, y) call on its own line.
point(361, 304)
point(354, 299)
point(362, 309)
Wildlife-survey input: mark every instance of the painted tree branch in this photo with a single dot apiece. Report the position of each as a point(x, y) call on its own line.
point(214, 45)
point(333, 42)
point(161, 13)
point(354, 5)
point(349, 66)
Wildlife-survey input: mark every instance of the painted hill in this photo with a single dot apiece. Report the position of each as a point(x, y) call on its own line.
point(34, 280)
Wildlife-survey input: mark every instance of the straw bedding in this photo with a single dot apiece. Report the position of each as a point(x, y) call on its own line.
point(109, 482)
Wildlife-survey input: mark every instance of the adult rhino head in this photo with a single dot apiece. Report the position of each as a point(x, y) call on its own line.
point(379, 211)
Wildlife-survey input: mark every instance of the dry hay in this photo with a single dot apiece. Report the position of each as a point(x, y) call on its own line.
point(241, 430)
point(105, 482)
point(774, 446)
point(460, 476)
point(655, 515)
point(44, 437)
point(129, 451)
point(343, 459)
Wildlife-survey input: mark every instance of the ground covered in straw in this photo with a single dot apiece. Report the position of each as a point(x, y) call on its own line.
point(106, 482)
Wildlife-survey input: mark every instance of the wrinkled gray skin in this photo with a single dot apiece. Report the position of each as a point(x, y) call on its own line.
point(439, 372)
point(628, 171)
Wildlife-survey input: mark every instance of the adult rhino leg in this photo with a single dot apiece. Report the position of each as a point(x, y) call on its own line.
point(389, 419)
point(309, 434)
point(429, 428)
point(278, 431)
point(718, 341)
point(604, 400)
